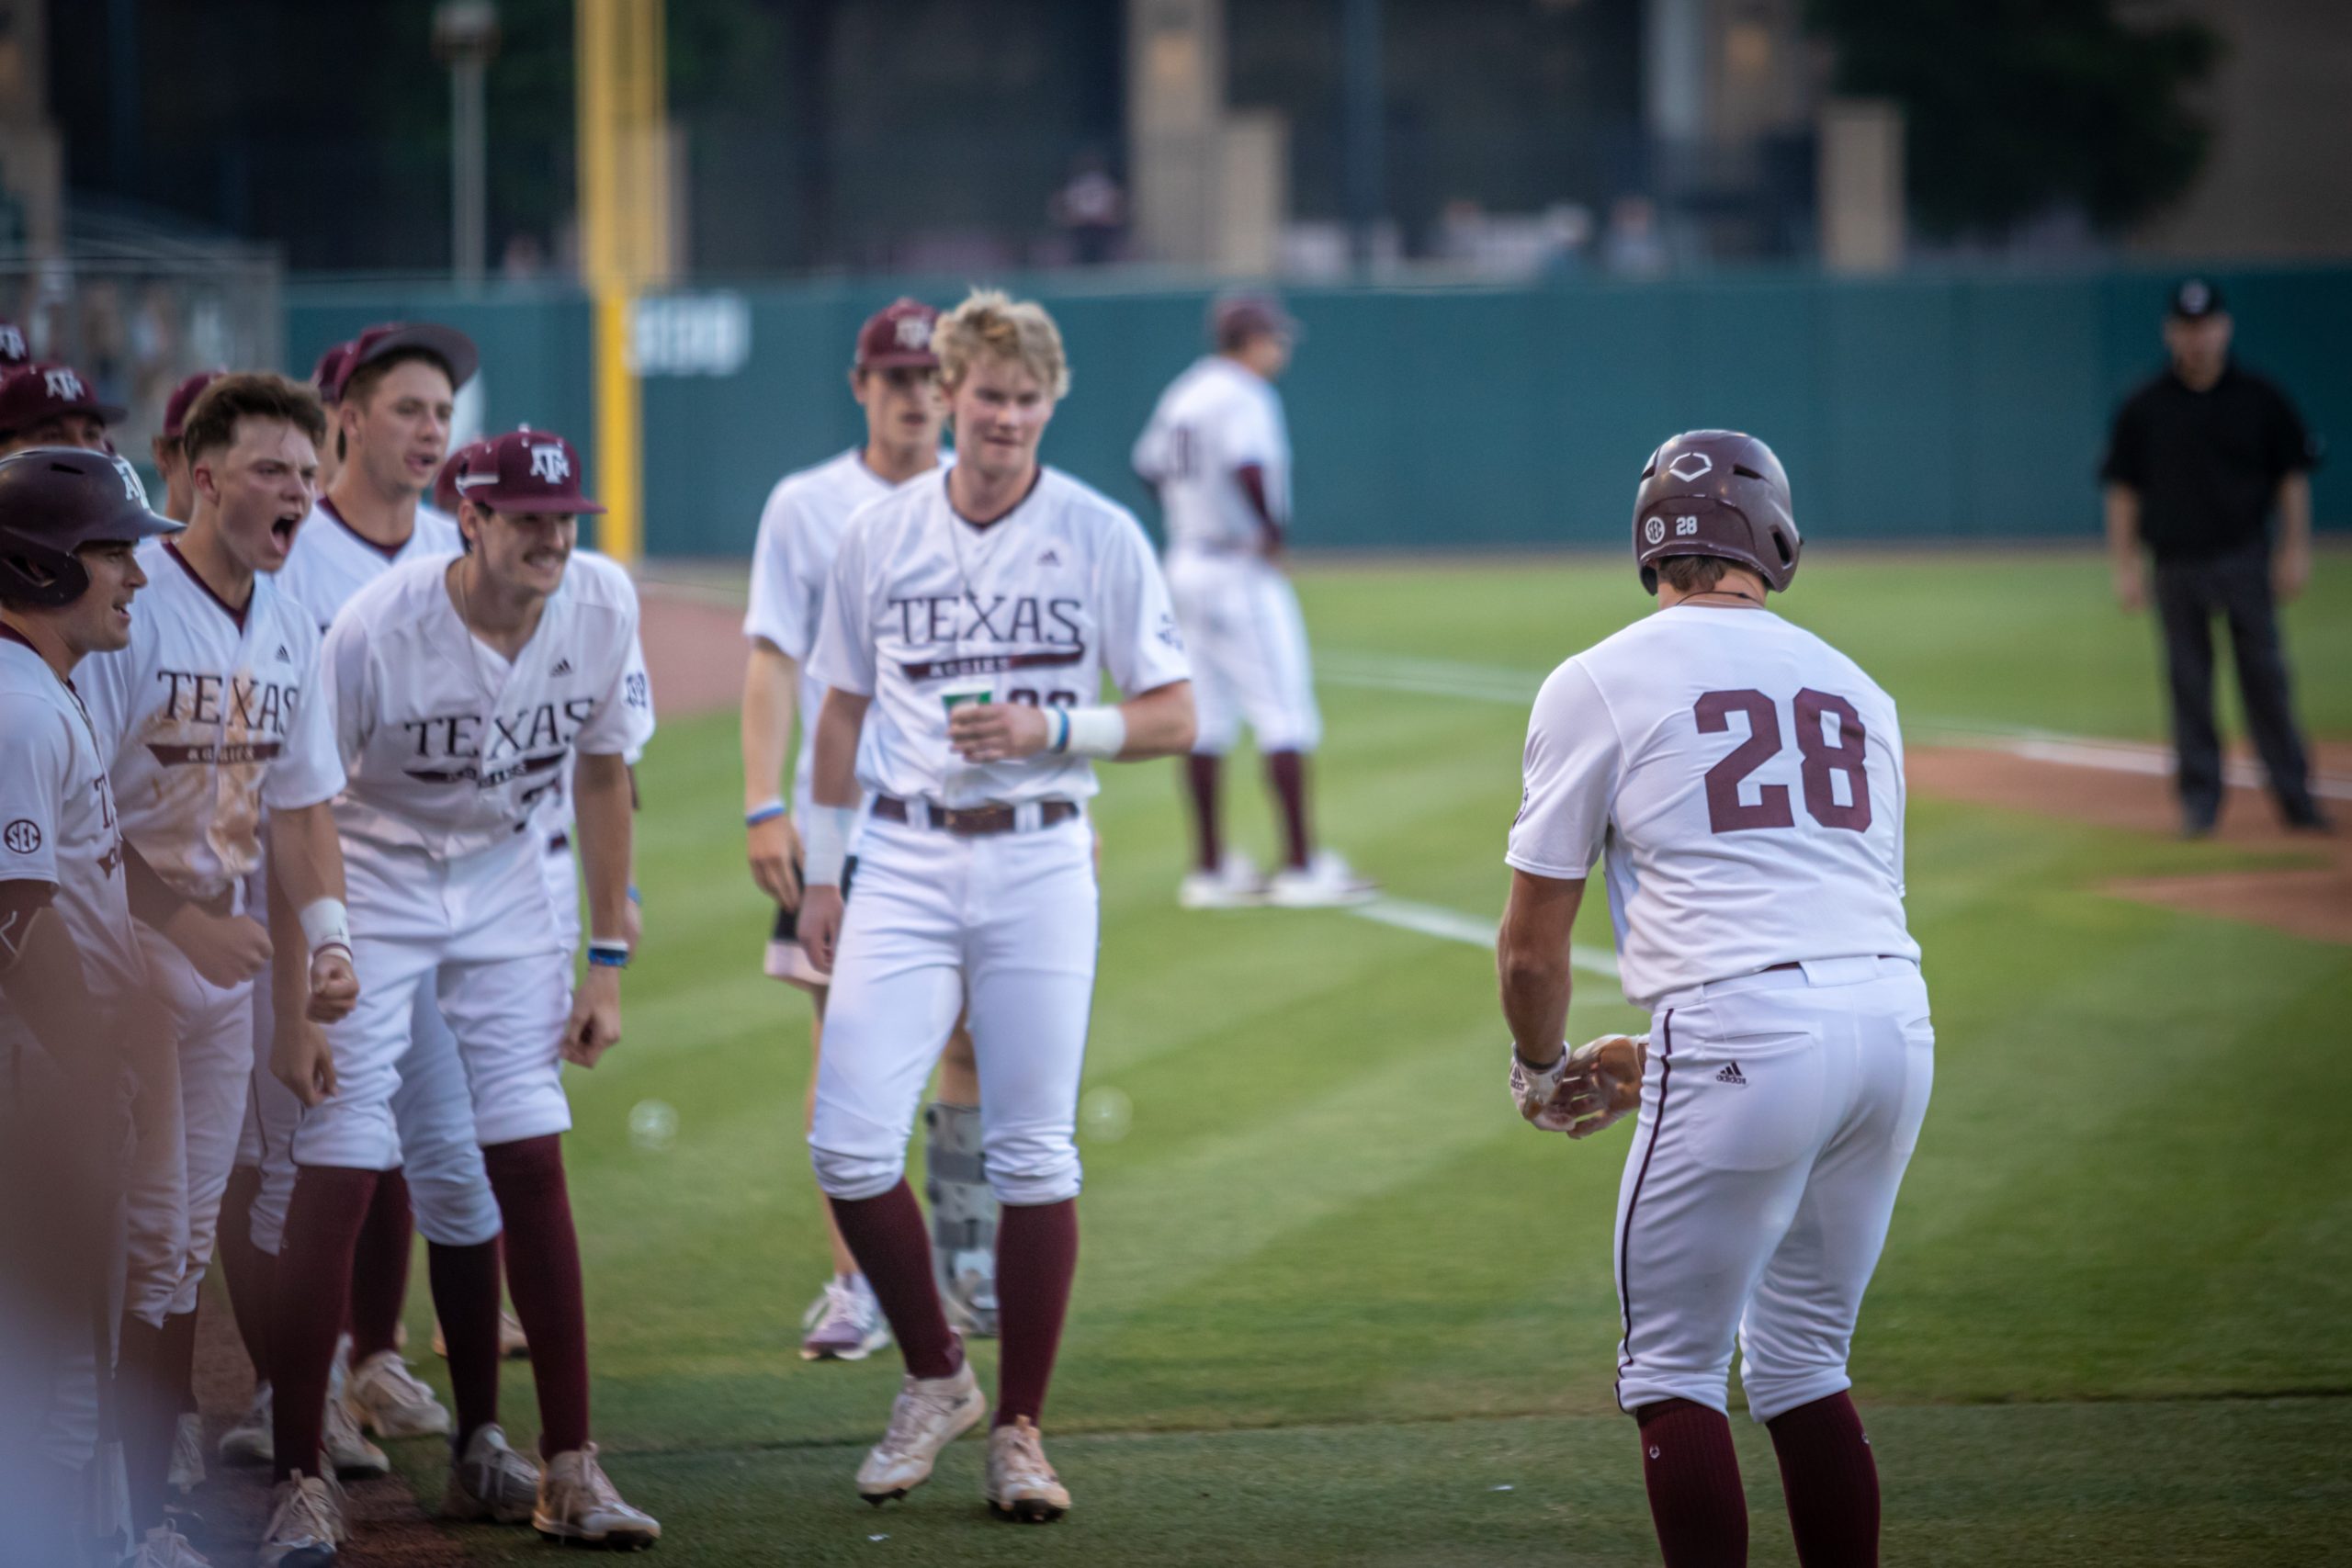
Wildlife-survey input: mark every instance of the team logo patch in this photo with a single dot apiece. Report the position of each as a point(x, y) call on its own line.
point(12, 343)
point(914, 334)
point(550, 463)
point(64, 385)
point(1654, 530)
point(22, 836)
point(131, 489)
point(1690, 465)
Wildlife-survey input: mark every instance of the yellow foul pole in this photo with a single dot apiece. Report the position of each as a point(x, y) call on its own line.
point(624, 231)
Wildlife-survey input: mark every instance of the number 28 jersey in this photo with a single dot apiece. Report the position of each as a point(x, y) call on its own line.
point(1743, 781)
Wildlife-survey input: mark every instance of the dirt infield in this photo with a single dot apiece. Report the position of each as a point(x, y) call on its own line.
point(694, 648)
point(2312, 900)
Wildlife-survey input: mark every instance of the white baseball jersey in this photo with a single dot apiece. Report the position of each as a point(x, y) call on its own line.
point(57, 817)
point(1745, 781)
point(1036, 606)
point(446, 744)
point(210, 715)
point(332, 560)
point(800, 529)
point(1218, 417)
point(555, 807)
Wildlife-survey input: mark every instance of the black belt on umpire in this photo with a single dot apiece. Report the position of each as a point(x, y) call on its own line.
point(970, 821)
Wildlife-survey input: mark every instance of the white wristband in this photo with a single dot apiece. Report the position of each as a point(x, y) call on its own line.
point(824, 846)
point(326, 924)
point(1094, 732)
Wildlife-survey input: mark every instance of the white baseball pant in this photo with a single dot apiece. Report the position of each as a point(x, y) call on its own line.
point(1008, 922)
point(1777, 1114)
point(1247, 643)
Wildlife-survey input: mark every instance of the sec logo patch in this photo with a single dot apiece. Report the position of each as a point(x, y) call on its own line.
point(22, 837)
point(1654, 530)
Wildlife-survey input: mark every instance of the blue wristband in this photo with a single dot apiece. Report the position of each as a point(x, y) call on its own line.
point(634, 895)
point(607, 955)
point(1059, 742)
point(768, 813)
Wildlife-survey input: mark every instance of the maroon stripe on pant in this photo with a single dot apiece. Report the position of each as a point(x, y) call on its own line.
point(1625, 1242)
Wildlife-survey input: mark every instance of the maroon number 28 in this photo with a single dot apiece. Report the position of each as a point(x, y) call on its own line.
point(1728, 813)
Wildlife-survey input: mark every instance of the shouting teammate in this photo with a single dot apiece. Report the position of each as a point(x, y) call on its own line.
point(170, 456)
point(974, 614)
point(895, 379)
point(1217, 454)
point(70, 977)
point(460, 688)
point(52, 405)
point(1744, 781)
point(209, 716)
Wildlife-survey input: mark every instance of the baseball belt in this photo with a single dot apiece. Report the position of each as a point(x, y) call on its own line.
point(973, 821)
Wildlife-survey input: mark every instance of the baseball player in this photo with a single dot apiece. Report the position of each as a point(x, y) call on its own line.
point(974, 614)
point(171, 459)
point(460, 688)
point(895, 379)
point(1744, 782)
point(52, 405)
point(327, 377)
point(1216, 452)
point(71, 980)
point(209, 716)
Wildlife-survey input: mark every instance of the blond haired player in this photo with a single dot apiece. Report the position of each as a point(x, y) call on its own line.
point(1216, 452)
point(895, 379)
point(969, 622)
point(1743, 780)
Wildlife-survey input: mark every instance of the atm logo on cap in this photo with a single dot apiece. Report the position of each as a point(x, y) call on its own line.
point(12, 342)
point(914, 332)
point(62, 384)
point(551, 464)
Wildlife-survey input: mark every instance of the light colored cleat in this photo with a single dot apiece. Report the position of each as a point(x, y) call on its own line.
point(929, 1414)
point(188, 1453)
point(305, 1524)
point(1021, 1485)
point(348, 1452)
point(252, 1440)
point(386, 1398)
point(577, 1502)
point(490, 1481)
point(1234, 885)
point(845, 1324)
point(1328, 882)
point(513, 1344)
point(166, 1548)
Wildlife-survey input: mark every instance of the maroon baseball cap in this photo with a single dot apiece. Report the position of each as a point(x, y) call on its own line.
point(1235, 319)
point(12, 344)
point(327, 374)
point(184, 397)
point(898, 333)
point(31, 393)
point(523, 470)
point(444, 487)
point(451, 346)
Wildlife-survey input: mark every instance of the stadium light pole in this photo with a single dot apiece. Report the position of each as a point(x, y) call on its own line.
point(465, 35)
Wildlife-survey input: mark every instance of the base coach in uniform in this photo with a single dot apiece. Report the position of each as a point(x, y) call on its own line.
point(2201, 460)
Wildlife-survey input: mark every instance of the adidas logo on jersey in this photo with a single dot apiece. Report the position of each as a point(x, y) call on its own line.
point(562, 667)
point(283, 656)
point(1731, 1074)
point(1049, 558)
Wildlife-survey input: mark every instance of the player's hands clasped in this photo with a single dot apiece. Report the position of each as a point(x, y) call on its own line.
point(997, 732)
point(334, 987)
point(819, 925)
point(1587, 1090)
point(226, 950)
point(594, 1026)
point(774, 849)
point(301, 1059)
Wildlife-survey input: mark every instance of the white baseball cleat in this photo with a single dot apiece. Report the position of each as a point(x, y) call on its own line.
point(166, 1548)
point(188, 1453)
point(490, 1481)
point(252, 1440)
point(844, 1322)
point(1327, 882)
point(513, 1344)
point(929, 1414)
point(348, 1452)
point(577, 1502)
point(1021, 1485)
point(304, 1525)
point(1234, 885)
point(391, 1401)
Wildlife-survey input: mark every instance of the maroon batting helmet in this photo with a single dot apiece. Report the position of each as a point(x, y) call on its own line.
point(53, 501)
point(1716, 493)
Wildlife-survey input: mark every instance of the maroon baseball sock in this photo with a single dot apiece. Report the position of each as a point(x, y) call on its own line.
point(1037, 1255)
point(544, 1252)
point(1831, 1482)
point(1286, 770)
point(245, 1268)
point(145, 1412)
point(893, 1250)
point(380, 1269)
point(465, 1294)
point(1199, 775)
point(1692, 1475)
point(178, 1364)
point(314, 1289)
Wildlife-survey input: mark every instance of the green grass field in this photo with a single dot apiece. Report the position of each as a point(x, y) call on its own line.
point(1338, 1305)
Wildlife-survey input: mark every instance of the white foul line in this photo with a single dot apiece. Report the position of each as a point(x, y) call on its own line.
point(1452, 925)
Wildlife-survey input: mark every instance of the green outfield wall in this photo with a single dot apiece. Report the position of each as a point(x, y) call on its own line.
point(1912, 409)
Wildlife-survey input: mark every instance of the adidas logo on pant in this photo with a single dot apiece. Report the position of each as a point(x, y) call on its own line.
point(1731, 1074)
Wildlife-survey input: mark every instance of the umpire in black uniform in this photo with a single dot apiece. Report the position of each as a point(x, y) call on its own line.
point(2201, 460)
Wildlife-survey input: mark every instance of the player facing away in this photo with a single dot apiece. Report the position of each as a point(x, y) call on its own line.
point(895, 379)
point(1216, 452)
point(209, 716)
point(72, 984)
point(969, 624)
point(460, 688)
point(1743, 782)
